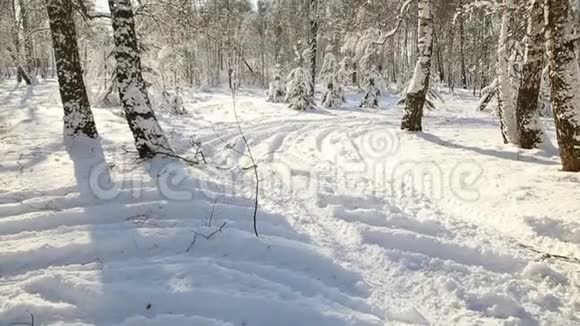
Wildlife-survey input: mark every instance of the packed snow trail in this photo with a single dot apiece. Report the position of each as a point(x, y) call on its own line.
point(347, 238)
point(340, 175)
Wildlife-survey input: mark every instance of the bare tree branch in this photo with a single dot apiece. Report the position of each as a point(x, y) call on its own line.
point(547, 255)
point(31, 323)
point(403, 12)
point(251, 156)
point(207, 237)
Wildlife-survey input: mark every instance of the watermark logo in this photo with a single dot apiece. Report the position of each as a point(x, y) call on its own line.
point(370, 163)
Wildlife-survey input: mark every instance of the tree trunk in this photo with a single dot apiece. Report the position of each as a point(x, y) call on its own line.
point(419, 85)
point(78, 118)
point(564, 77)
point(527, 115)
point(27, 40)
point(450, 61)
point(484, 101)
point(312, 41)
point(441, 69)
point(20, 72)
point(505, 98)
point(148, 135)
point(462, 48)
point(15, 50)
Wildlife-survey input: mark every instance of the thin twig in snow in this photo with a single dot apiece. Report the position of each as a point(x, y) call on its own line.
point(207, 237)
point(254, 165)
point(212, 211)
point(172, 154)
point(31, 323)
point(199, 150)
point(230, 146)
point(94, 260)
point(547, 255)
point(20, 166)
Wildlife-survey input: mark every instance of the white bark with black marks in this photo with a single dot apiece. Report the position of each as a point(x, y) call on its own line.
point(149, 137)
point(530, 132)
point(78, 117)
point(313, 46)
point(505, 98)
point(564, 79)
point(417, 91)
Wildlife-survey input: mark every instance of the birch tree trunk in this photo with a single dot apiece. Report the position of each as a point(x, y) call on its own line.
point(415, 100)
point(148, 135)
point(527, 109)
point(462, 48)
point(27, 40)
point(440, 68)
point(78, 117)
point(505, 99)
point(564, 77)
point(312, 42)
point(14, 51)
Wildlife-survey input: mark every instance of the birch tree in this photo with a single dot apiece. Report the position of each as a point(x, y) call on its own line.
point(78, 117)
point(313, 42)
point(417, 91)
point(462, 48)
point(14, 48)
point(149, 137)
point(505, 98)
point(527, 110)
point(564, 79)
point(26, 40)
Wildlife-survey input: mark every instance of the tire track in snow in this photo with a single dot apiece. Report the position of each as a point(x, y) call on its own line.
point(62, 239)
point(379, 238)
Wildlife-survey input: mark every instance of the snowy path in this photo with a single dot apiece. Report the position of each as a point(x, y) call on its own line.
point(68, 258)
point(346, 237)
point(416, 256)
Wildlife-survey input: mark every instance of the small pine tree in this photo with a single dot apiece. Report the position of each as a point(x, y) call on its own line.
point(173, 104)
point(372, 91)
point(276, 93)
point(433, 95)
point(328, 66)
point(298, 90)
point(177, 103)
point(344, 71)
point(165, 100)
point(333, 96)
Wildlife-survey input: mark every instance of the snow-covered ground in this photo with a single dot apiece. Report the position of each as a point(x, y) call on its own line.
point(360, 223)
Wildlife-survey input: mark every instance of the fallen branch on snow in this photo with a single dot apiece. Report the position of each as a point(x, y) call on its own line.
point(207, 237)
point(31, 323)
point(250, 155)
point(546, 255)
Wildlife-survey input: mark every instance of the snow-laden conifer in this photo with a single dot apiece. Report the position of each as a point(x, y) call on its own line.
point(277, 91)
point(333, 96)
point(345, 71)
point(371, 88)
point(298, 89)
